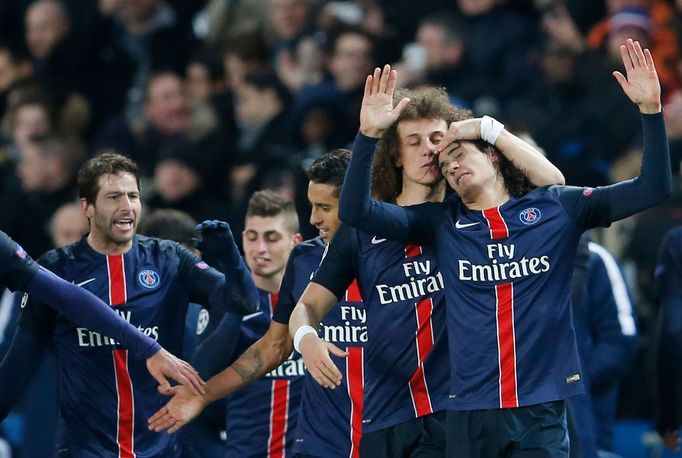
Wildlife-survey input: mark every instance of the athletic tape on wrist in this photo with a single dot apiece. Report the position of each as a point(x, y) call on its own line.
point(491, 129)
point(300, 334)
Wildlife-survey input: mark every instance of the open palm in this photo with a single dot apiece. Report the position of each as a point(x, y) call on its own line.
point(641, 85)
point(377, 112)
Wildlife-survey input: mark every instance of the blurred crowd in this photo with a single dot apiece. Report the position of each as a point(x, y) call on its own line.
point(218, 98)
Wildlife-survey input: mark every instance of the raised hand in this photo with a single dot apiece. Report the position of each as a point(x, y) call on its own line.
point(163, 365)
point(467, 129)
point(641, 84)
point(671, 439)
point(217, 244)
point(183, 407)
point(377, 112)
point(315, 353)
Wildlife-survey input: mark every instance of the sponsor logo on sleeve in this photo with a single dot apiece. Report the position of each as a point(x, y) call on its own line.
point(202, 265)
point(587, 191)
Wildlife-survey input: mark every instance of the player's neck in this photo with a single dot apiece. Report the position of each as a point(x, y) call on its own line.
point(105, 246)
point(416, 193)
point(492, 195)
point(269, 284)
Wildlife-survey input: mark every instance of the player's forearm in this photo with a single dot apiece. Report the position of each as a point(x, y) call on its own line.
point(241, 289)
point(259, 359)
point(356, 207)
point(539, 170)
point(654, 183)
point(85, 309)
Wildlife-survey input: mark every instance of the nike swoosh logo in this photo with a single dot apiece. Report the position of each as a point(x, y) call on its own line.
point(89, 280)
point(459, 225)
point(253, 315)
point(376, 241)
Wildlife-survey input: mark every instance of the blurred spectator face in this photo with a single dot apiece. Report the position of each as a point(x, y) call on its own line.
point(10, 70)
point(35, 169)
point(476, 7)
point(617, 38)
point(256, 105)
point(557, 64)
point(352, 61)
point(439, 52)
point(137, 10)
point(288, 17)
point(199, 86)
point(175, 180)
point(69, 224)
point(46, 25)
point(30, 120)
point(167, 107)
point(316, 127)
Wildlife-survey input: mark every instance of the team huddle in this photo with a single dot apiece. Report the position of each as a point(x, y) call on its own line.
point(430, 317)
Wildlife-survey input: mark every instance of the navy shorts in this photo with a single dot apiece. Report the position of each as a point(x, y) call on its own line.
point(537, 431)
point(422, 437)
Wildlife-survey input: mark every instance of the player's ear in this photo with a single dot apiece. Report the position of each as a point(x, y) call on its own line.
point(86, 207)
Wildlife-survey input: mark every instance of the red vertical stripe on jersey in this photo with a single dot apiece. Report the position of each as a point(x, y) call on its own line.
point(125, 428)
point(355, 377)
point(498, 228)
point(412, 251)
point(126, 408)
point(418, 388)
point(506, 345)
point(117, 283)
point(274, 300)
point(279, 408)
point(353, 292)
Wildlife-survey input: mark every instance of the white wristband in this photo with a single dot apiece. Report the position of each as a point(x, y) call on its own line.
point(491, 128)
point(300, 334)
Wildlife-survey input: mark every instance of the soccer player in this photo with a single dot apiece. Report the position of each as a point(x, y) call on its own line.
point(329, 422)
point(503, 247)
point(105, 397)
point(668, 342)
point(406, 366)
point(21, 273)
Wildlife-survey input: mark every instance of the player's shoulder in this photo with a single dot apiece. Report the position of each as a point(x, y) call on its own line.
point(59, 256)
point(155, 245)
point(309, 247)
point(673, 239)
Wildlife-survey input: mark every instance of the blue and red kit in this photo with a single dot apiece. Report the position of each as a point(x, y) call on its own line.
point(261, 417)
point(406, 367)
point(507, 271)
point(329, 421)
point(105, 396)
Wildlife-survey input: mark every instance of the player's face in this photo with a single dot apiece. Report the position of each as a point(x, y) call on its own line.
point(325, 212)
point(467, 169)
point(117, 208)
point(418, 140)
point(267, 244)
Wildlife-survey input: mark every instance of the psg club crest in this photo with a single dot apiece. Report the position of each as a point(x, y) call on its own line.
point(149, 279)
point(530, 216)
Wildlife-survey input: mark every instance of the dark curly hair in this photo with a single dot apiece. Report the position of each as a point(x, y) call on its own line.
point(330, 168)
point(425, 103)
point(515, 179)
point(103, 164)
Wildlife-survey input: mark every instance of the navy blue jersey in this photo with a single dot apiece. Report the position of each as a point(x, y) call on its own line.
point(406, 363)
point(105, 396)
point(261, 417)
point(508, 271)
point(329, 421)
point(17, 268)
